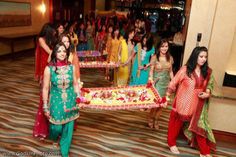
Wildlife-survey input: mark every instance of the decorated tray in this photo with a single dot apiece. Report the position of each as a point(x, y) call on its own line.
point(97, 64)
point(88, 53)
point(117, 98)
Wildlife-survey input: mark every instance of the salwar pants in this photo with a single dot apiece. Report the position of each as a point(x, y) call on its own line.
point(66, 133)
point(175, 124)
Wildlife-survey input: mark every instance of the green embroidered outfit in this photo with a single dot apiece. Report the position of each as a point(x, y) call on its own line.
point(62, 98)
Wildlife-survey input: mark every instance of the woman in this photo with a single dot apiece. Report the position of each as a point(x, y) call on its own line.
point(194, 84)
point(114, 55)
point(140, 69)
point(60, 88)
point(100, 39)
point(82, 45)
point(127, 47)
point(160, 75)
point(43, 52)
point(90, 36)
point(73, 58)
point(73, 37)
point(59, 29)
point(107, 52)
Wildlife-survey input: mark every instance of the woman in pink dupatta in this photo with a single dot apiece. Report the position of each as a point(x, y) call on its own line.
point(193, 85)
point(42, 57)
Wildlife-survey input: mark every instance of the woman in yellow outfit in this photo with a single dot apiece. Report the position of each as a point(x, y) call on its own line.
point(115, 49)
point(127, 47)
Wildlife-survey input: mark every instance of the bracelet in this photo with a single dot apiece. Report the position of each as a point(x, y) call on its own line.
point(45, 106)
point(150, 78)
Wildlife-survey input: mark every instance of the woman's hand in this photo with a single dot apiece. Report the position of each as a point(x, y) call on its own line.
point(204, 95)
point(140, 67)
point(47, 114)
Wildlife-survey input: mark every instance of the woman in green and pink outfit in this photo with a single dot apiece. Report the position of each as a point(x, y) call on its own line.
point(60, 89)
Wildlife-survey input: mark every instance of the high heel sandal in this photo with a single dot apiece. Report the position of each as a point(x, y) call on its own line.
point(150, 122)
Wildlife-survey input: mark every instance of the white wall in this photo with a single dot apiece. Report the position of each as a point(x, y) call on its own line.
point(222, 38)
point(222, 115)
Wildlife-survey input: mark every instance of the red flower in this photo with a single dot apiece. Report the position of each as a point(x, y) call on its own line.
point(85, 90)
point(163, 100)
point(149, 84)
point(78, 100)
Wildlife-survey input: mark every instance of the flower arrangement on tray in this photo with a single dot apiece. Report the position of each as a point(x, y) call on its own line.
point(98, 64)
point(129, 97)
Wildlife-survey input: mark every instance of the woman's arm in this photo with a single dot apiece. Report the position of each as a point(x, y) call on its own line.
point(130, 58)
point(75, 62)
point(171, 73)
point(175, 81)
point(209, 89)
point(150, 78)
point(119, 53)
point(75, 83)
point(45, 92)
point(44, 45)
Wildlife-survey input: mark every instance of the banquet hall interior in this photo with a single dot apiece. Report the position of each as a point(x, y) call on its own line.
point(118, 133)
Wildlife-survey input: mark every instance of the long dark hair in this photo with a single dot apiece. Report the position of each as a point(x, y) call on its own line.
point(54, 53)
point(149, 41)
point(70, 49)
point(113, 33)
point(127, 33)
point(158, 49)
point(192, 61)
point(48, 33)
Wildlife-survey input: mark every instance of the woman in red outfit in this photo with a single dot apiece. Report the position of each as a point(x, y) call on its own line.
point(193, 85)
point(43, 51)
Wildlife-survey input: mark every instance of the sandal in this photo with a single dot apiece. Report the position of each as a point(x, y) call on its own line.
point(174, 150)
point(150, 122)
point(55, 144)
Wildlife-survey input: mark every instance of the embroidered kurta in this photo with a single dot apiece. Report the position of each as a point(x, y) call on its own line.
point(189, 107)
point(187, 95)
point(142, 60)
point(161, 74)
point(62, 95)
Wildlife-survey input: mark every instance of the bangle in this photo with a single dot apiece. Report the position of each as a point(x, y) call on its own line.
point(45, 106)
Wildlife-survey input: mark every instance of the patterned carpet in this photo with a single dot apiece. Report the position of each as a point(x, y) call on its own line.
point(99, 133)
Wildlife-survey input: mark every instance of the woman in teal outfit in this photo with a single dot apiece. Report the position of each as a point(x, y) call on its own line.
point(160, 75)
point(60, 89)
point(141, 66)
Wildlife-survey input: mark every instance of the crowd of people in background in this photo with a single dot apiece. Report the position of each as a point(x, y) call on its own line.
point(142, 58)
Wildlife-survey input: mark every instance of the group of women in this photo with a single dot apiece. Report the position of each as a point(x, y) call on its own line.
point(57, 70)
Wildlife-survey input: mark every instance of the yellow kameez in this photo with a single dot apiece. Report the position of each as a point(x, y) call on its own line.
point(123, 72)
point(115, 44)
